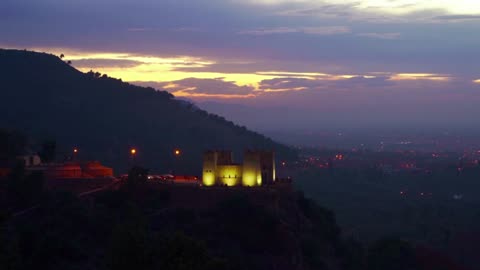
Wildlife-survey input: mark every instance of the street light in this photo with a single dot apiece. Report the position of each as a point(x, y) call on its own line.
point(75, 152)
point(177, 154)
point(133, 153)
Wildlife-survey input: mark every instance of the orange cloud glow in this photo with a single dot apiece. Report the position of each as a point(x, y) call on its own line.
point(189, 94)
point(167, 70)
point(420, 76)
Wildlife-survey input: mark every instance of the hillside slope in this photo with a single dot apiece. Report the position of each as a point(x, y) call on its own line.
point(43, 96)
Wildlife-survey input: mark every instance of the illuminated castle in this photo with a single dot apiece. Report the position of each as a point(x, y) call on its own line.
point(258, 169)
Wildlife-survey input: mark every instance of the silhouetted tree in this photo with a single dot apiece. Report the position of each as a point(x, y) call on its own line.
point(353, 254)
point(10, 257)
point(129, 244)
point(392, 254)
point(181, 252)
point(24, 189)
point(54, 236)
point(137, 176)
point(48, 151)
point(12, 144)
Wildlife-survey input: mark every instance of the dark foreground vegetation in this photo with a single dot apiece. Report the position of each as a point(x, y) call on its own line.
point(137, 227)
point(438, 210)
point(142, 225)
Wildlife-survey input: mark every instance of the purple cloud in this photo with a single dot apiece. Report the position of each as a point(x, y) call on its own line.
point(202, 88)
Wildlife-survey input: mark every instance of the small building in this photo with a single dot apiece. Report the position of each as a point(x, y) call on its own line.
point(31, 160)
point(58, 170)
point(73, 170)
point(219, 169)
point(96, 170)
point(185, 180)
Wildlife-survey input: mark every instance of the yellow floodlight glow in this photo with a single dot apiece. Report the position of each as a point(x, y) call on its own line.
point(208, 179)
point(249, 178)
point(230, 175)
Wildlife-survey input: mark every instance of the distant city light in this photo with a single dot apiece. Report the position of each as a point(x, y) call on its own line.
point(133, 151)
point(177, 152)
point(75, 150)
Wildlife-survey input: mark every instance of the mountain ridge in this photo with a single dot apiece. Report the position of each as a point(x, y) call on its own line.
point(104, 117)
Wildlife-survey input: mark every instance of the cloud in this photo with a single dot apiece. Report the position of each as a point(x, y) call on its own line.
point(138, 29)
point(219, 88)
point(336, 10)
point(293, 74)
point(188, 29)
point(421, 76)
point(338, 83)
point(102, 63)
point(288, 84)
point(381, 6)
point(388, 36)
point(321, 54)
point(203, 88)
point(459, 17)
point(320, 30)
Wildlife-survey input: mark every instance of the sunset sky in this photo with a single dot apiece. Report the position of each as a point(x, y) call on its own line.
point(361, 60)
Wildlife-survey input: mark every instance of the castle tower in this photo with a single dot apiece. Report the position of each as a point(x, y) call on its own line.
point(209, 168)
point(267, 165)
point(258, 169)
point(251, 169)
point(224, 157)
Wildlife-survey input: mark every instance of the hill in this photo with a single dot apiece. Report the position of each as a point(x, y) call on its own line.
point(104, 117)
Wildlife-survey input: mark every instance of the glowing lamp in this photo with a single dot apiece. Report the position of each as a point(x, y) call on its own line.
point(75, 150)
point(133, 151)
point(177, 152)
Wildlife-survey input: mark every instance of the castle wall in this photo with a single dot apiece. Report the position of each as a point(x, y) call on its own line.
point(258, 169)
point(230, 175)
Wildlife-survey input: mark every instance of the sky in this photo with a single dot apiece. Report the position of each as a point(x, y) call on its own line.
point(292, 64)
